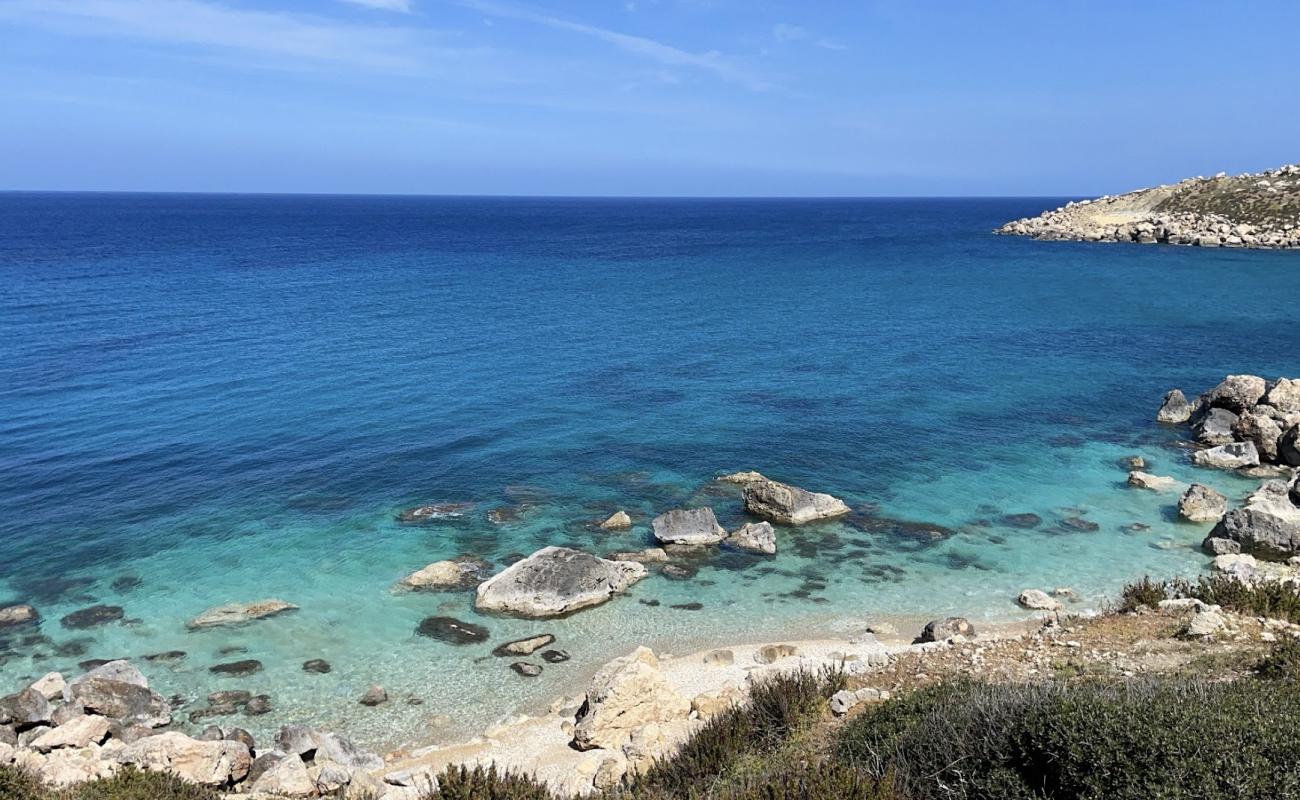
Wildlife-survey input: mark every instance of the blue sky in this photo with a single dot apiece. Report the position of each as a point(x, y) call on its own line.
point(654, 97)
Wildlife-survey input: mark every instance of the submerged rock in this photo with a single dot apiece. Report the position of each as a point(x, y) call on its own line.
point(1201, 504)
point(742, 478)
point(524, 647)
point(240, 613)
point(238, 669)
point(1156, 483)
point(1175, 410)
point(790, 505)
point(555, 581)
point(526, 669)
point(1228, 456)
point(755, 537)
point(460, 573)
point(452, 630)
point(688, 526)
point(317, 665)
point(375, 695)
point(1256, 533)
point(92, 617)
point(1025, 520)
point(434, 513)
point(21, 614)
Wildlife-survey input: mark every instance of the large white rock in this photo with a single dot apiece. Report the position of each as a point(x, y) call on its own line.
point(1156, 483)
point(80, 732)
point(756, 537)
point(789, 505)
point(288, 777)
point(459, 573)
point(1200, 503)
point(1038, 600)
point(625, 696)
point(555, 581)
point(218, 763)
point(688, 526)
point(1228, 456)
point(240, 613)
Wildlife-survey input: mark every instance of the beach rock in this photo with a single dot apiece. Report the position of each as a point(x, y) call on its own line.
point(338, 749)
point(238, 669)
point(742, 478)
point(92, 617)
point(286, 777)
point(754, 537)
point(1175, 410)
point(12, 616)
point(317, 665)
point(555, 581)
point(790, 505)
point(771, 653)
point(1237, 393)
point(1038, 600)
point(618, 521)
point(1273, 497)
point(461, 573)
point(129, 703)
point(1285, 396)
point(1200, 503)
point(80, 732)
point(1228, 456)
point(939, 630)
point(437, 512)
point(206, 763)
point(626, 695)
point(693, 526)
point(1256, 533)
point(1260, 429)
point(298, 740)
point(1288, 446)
point(719, 658)
point(68, 766)
point(452, 630)
point(1156, 483)
point(526, 669)
point(1216, 427)
point(240, 613)
point(26, 709)
point(50, 685)
point(374, 696)
point(524, 647)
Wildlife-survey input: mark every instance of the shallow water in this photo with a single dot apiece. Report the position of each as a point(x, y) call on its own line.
point(229, 398)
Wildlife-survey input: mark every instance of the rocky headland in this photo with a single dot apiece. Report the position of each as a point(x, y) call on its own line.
point(1254, 210)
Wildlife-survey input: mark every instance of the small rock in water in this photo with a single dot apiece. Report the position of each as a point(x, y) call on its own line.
point(694, 606)
point(688, 526)
point(555, 656)
point(617, 521)
point(434, 513)
point(1155, 483)
point(677, 572)
point(1133, 463)
point(317, 665)
point(1026, 520)
point(452, 630)
point(92, 617)
point(374, 696)
point(1038, 600)
point(17, 615)
point(258, 705)
point(125, 583)
point(524, 647)
point(1202, 504)
point(166, 656)
point(1175, 410)
point(234, 697)
point(1080, 524)
point(240, 613)
point(755, 537)
point(525, 669)
point(238, 669)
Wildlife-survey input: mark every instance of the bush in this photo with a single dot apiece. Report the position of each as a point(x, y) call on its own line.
point(129, 784)
point(1134, 741)
point(1271, 599)
point(461, 783)
point(1144, 593)
point(1282, 662)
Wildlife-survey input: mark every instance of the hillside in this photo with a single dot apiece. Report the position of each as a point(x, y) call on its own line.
point(1259, 210)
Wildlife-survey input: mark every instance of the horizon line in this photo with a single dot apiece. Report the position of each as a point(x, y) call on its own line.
point(202, 193)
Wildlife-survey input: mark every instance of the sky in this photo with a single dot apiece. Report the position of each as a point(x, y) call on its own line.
point(643, 97)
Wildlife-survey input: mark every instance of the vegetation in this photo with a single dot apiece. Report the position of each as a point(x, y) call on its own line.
point(1282, 663)
point(1271, 599)
point(1145, 593)
point(129, 784)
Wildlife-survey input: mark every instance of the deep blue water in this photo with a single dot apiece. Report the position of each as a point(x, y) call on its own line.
point(229, 397)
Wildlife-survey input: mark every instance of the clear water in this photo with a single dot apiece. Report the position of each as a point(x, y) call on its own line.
point(229, 398)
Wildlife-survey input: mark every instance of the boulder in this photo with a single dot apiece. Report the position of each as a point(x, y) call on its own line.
point(461, 573)
point(1237, 393)
point(1288, 446)
point(1216, 427)
point(618, 521)
point(1273, 497)
point(1262, 430)
point(524, 647)
point(220, 763)
point(1256, 533)
point(1206, 622)
point(742, 478)
point(374, 696)
point(625, 696)
point(1175, 410)
point(526, 670)
point(555, 581)
point(68, 766)
point(1038, 600)
point(17, 615)
point(1228, 456)
point(92, 617)
point(1200, 503)
point(1218, 546)
point(286, 777)
point(692, 526)
point(240, 613)
point(1156, 483)
point(790, 505)
point(755, 537)
point(771, 653)
point(939, 630)
point(80, 732)
point(1285, 396)
point(26, 709)
point(122, 671)
point(129, 703)
point(452, 630)
point(50, 685)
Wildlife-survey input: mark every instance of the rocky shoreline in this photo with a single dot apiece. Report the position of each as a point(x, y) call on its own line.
point(1258, 211)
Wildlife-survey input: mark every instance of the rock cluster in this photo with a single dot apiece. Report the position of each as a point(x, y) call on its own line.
point(1243, 422)
point(1259, 210)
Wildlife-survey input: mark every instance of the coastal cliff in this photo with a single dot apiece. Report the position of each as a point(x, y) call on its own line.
point(1253, 210)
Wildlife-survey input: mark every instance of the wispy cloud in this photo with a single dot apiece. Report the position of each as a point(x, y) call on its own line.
point(403, 6)
point(211, 24)
point(784, 33)
point(711, 61)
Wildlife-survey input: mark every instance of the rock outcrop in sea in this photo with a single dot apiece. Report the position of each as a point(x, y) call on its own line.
point(555, 581)
point(1255, 210)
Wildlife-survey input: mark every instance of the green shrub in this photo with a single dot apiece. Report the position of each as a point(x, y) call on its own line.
point(17, 784)
point(1270, 599)
point(1171, 740)
point(479, 783)
point(1144, 593)
point(1282, 662)
point(129, 784)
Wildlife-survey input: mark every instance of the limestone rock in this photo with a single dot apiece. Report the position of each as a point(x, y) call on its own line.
point(1206, 622)
point(25, 709)
point(1288, 446)
point(64, 767)
point(1228, 456)
point(693, 526)
point(1156, 483)
point(207, 763)
point(939, 630)
point(240, 613)
point(287, 777)
point(121, 671)
point(127, 702)
point(50, 685)
point(1038, 600)
point(790, 505)
point(555, 581)
point(1237, 393)
point(1175, 410)
point(626, 695)
point(618, 521)
point(17, 615)
point(461, 573)
point(754, 537)
point(375, 695)
point(1273, 497)
point(1216, 427)
point(742, 478)
point(1260, 429)
point(770, 653)
point(1257, 533)
point(1200, 503)
point(80, 732)
point(1285, 396)
point(524, 647)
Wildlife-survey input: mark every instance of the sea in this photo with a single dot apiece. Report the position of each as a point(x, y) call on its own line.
point(207, 399)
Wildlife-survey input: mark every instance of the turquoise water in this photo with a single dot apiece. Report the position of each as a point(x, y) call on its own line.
point(207, 399)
